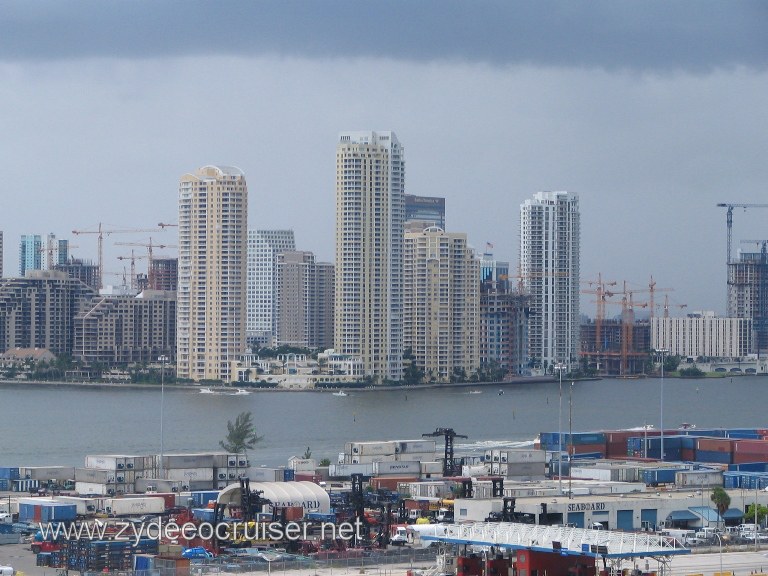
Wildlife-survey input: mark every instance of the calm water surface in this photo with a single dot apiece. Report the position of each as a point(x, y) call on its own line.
point(43, 426)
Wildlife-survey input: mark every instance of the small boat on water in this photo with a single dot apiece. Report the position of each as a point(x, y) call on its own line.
point(475, 392)
point(340, 393)
point(224, 391)
point(206, 391)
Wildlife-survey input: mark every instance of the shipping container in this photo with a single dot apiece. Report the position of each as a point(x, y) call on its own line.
point(419, 446)
point(204, 514)
point(521, 456)
point(190, 474)
point(95, 476)
point(390, 482)
point(370, 459)
point(302, 464)
point(714, 445)
point(83, 506)
point(751, 447)
point(265, 474)
point(396, 468)
point(699, 478)
point(88, 488)
point(430, 467)
point(200, 499)
point(346, 470)
point(47, 473)
point(709, 456)
point(749, 466)
point(198, 485)
point(289, 475)
point(157, 485)
point(9, 473)
point(373, 448)
point(187, 461)
point(523, 469)
point(134, 506)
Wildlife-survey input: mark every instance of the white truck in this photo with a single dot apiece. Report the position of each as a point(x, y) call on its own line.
point(399, 536)
point(134, 506)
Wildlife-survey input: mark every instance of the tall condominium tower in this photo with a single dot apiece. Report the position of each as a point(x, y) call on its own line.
point(549, 265)
point(213, 234)
point(303, 301)
point(424, 211)
point(368, 313)
point(263, 248)
point(748, 292)
point(30, 253)
point(441, 304)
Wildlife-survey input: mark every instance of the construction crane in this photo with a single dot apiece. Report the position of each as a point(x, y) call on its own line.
point(667, 306)
point(133, 259)
point(101, 232)
point(50, 249)
point(601, 295)
point(729, 222)
point(164, 225)
point(149, 246)
point(449, 466)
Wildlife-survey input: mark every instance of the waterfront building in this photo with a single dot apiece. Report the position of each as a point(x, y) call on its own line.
point(623, 348)
point(304, 301)
point(370, 213)
point(30, 253)
point(119, 330)
point(38, 311)
point(263, 248)
point(441, 302)
point(424, 211)
point(503, 320)
point(213, 234)
point(549, 265)
point(702, 335)
point(748, 293)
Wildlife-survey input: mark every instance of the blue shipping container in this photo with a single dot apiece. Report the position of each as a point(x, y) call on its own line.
point(26, 512)
point(201, 498)
point(289, 475)
point(749, 467)
point(204, 514)
point(713, 456)
point(4, 484)
point(59, 512)
point(9, 473)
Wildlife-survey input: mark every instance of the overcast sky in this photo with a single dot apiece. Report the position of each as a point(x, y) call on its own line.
point(652, 112)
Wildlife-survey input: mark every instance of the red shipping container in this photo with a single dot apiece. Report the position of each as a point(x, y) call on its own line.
point(714, 444)
point(616, 449)
point(746, 457)
point(751, 446)
point(688, 454)
point(586, 448)
point(298, 477)
point(390, 482)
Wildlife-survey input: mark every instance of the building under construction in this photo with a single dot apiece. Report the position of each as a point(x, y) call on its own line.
point(748, 293)
point(622, 349)
point(84, 270)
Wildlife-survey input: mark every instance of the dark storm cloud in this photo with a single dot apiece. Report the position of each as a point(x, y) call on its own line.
point(612, 34)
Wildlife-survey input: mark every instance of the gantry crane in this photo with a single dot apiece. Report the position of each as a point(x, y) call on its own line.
point(449, 466)
point(729, 222)
point(101, 232)
point(149, 246)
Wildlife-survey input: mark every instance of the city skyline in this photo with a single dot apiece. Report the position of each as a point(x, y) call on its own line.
point(651, 125)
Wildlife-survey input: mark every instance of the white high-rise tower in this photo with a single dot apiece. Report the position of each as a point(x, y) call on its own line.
point(211, 306)
point(370, 213)
point(549, 265)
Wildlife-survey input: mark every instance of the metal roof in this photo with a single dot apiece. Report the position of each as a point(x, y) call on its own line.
point(680, 515)
point(707, 513)
point(732, 513)
point(561, 539)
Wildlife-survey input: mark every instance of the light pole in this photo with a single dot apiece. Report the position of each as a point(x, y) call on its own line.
point(661, 413)
point(720, 541)
point(163, 359)
point(560, 367)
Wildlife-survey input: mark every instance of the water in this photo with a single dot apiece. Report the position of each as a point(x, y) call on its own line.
point(44, 426)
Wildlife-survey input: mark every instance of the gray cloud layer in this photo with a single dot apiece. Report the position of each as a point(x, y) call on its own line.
point(609, 34)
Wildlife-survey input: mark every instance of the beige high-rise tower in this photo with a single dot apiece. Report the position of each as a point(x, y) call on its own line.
point(211, 300)
point(370, 212)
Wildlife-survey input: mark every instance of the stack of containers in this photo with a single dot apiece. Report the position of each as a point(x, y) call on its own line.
point(45, 510)
point(576, 443)
point(227, 469)
point(520, 464)
point(194, 471)
point(750, 451)
point(389, 451)
point(717, 450)
point(46, 474)
point(7, 477)
point(112, 474)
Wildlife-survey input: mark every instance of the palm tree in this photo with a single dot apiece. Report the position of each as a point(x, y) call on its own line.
point(721, 500)
point(241, 435)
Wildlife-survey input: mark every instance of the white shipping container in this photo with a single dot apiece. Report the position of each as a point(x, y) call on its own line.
point(92, 488)
point(396, 468)
point(188, 461)
point(85, 506)
point(523, 469)
point(589, 472)
point(190, 474)
point(488, 456)
point(416, 456)
point(495, 467)
point(303, 464)
point(105, 462)
point(408, 446)
point(699, 478)
point(346, 470)
point(373, 448)
point(161, 485)
point(368, 459)
point(495, 456)
point(433, 467)
point(94, 476)
point(473, 470)
point(47, 473)
point(265, 474)
point(520, 456)
point(134, 506)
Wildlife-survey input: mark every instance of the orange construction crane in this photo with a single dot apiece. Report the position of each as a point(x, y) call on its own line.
point(601, 295)
point(149, 246)
point(133, 259)
point(652, 290)
point(101, 232)
point(667, 305)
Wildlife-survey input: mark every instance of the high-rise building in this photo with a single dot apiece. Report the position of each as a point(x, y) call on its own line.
point(84, 270)
point(503, 321)
point(126, 329)
point(441, 297)
point(303, 301)
point(38, 311)
point(370, 214)
point(213, 234)
point(1, 253)
point(549, 265)
point(263, 248)
point(165, 273)
point(30, 253)
point(424, 211)
point(748, 293)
